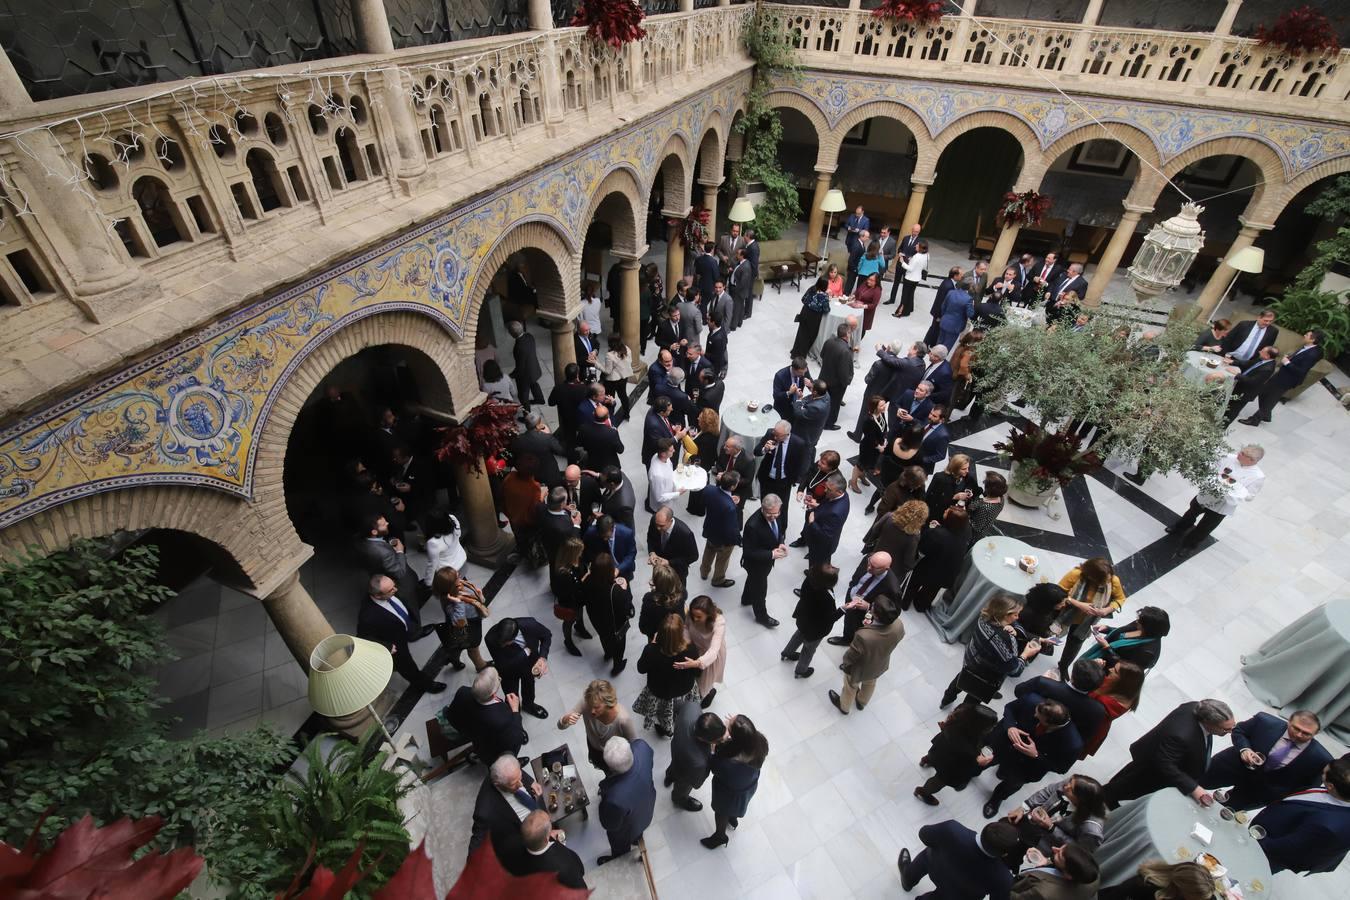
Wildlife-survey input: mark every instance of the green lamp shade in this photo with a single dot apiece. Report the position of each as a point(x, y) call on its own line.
point(346, 674)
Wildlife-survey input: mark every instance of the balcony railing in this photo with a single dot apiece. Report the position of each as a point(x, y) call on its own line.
point(1204, 69)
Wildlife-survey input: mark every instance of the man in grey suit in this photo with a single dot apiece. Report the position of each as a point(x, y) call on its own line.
point(382, 555)
point(627, 795)
point(527, 371)
point(691, 319)
point(836, 368)
point(742, 283)
point(720, 304)
point(976, 280)
point(727, 245)
point(888, 246)
point(691, 748)
point(809, 415)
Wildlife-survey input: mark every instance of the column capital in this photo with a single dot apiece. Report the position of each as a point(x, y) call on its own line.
point(825, 171)
point(281, 577)
point(918, 186)
point(556, 325)
point(710, 183)
point(675, 213)
point(632, 262)
point(1135, 209)
point(1254, 227)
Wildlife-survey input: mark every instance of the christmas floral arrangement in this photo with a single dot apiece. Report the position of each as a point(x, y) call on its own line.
point(920, 12)
point(1299, 31)
point(695, 227)
point(483, 434)
point(612, 22)
point(1027, 208)
point(1047, 457)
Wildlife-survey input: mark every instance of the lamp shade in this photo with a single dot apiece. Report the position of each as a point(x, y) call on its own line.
point(1248, 259)
point(346, 674)
point(742, 210)
point(833, 202)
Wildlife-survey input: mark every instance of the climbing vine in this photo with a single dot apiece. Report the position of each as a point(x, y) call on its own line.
point(772, 49)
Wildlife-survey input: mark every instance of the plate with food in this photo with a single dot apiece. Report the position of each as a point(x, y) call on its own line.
point(1027, 563)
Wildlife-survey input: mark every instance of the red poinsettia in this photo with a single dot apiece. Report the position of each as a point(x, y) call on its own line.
point(1298, 31)
point(613, 22)
point(1051, 456)
point(484, 434)
point(920, 12)
point(1027, 208)
point(694, 228)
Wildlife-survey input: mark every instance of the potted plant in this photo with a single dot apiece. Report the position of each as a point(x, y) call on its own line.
point(485, 432)
point(1043, 460)
point(901, 12)
point(1026, 208)
point(610, 22)
point(694, 228)
point(1300, 31)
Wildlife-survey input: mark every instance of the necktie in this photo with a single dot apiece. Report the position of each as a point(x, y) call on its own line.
point(665, 535)
point(669, 427)
point(525, 798)
point(773, 526)
point(398, 609)
point(612, 554)
point(778, 462)
point(1279, 754)
point(1209, 746)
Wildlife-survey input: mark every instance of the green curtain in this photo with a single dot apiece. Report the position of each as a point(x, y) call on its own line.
point(972, 176)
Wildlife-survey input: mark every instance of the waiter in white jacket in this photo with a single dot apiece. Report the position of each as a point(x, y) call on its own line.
point(1240, 479)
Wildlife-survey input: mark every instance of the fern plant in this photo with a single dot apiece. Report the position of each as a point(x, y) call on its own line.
point(344, 800)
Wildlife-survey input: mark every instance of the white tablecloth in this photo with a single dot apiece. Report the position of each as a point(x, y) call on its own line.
point(691, 478)
point(983, 574)
point(1196, 371)
point(749, 426)
point(838, 315)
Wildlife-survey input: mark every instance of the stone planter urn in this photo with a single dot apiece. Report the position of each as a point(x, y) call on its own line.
point(1028, 498)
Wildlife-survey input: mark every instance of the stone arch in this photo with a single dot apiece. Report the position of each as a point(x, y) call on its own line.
point(1032, 158)
point(711, 147)
point(1291, 189)
point(559, 294)
point(676, 170)
point(793, 100)
point(1266, 160)
point(618, 200)
point(1136, 140)
point(886, 109)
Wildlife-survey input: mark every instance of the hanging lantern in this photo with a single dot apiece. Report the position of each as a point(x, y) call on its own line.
point(1167, 252)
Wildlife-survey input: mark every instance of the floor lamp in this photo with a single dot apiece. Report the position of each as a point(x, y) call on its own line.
point(742, 211)
point(347, 674)
point(833, 203)
point(1247, 259)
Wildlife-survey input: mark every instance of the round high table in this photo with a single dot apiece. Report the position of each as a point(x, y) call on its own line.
point(1196, 371)
point(748, 426)
point(691, 478)
point(1024, 317)
point(1307, 666)
point(983, 574)
point(838, 315)
point(1159, 827)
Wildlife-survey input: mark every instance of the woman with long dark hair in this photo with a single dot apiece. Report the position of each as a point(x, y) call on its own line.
point(1118, 694)
point(609, 603)
point(707, 628)
point(465, 609)
point(815, 304)
point(816, 613)
point(736, 764)
point(564, 578)
point(666, 685)
point(900, 454)
point(1139, 642)
point(870, 445)
point(665, 597)
point(956, 752)
point(1072, 810)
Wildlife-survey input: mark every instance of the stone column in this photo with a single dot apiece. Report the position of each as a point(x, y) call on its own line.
point(372, 25)
point(1225, 24)
point(710, 203)
point(674, 251)
point(1223, 276)
point(815, 220)
point(541, 15)
point(485, 542)
point(297, 618)
point(630, 305)
point(686, 5)
point(914, 208)
point(1093, 12)
point(1115, 249)
point(1003, 248)
point(564, 349)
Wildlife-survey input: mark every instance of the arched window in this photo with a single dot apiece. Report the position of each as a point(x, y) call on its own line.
point(159, 211)
point(438, 141)
point(267, 182)
point(349, 153)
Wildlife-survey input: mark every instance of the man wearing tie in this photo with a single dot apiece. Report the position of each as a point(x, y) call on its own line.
point(608, 536)
point(1174, 753)
point(909, 245)
point(873, 579)
point(742, 284)
point(1023, 269)
point(385, 619)
point(1292, 372)
point(825, 521)
point(1247, 338)
point(933, 447)
point(888, 247)
point(790, 384)
point(1270, 759)
point(938, 372)
point(752, 257)
point(784, 456)
point(719, 304)
point(854, 227)
point(977, 280)
point(1057, 305)
point(1310, 831)
point(1043, 274)
point(587, 352)
point(507, 796)
point(1250, 380)
point(733, 458)
point(761, 546)
point(727, 245)
point(670, 541)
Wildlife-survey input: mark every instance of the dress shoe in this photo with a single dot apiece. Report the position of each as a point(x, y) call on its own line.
point(618, 668)
point(745, 602)
point(797, 591)
point(435, 687)
point(789, 656)
point(572, 648)
point(1175, 528)
point(535, 710)
point(690, 804)
point(663, 732)
point(810, 670)
point(768, 622)
point(724, 583)
point(582, 633)
point(924, 763)
point(834, 698)
point(990, 809)
point(457, 665)
point(925, 796)
point(713, 841)
point(604, 859)
point(902, 864)
point(707, 700)
point(838, 641)
point(426, 630)
point(831, 427)
point(1251, 421)
point(853, 437)
point(799, 542)
point(946, 701)
point(1185, 551)
point(861, 705)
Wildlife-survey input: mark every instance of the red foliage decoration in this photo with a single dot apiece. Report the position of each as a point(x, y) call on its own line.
point(695, 227)
point(91, 861)
point(1023, 209)
point(612, 22)
point(1053, 456)
point(920, 12)
point(1299, 31)
point(484, 433)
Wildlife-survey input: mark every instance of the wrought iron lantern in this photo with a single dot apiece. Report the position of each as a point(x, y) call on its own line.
point(1167, 253)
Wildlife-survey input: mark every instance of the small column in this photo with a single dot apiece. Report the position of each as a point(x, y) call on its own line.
point(297, 618)
point(855, 4)
point(1004, 247)
point(564, 349)
point(1225, 24)
point(710, 203)
point(914, 208)
point(630, 305)
point(372, 25)
point(815, 220)
point(1223, 276)
point(541, 15)
point(674, 251)
point(686, 5)
point(1115, 249)
point(1093, 12)
point(485, 542)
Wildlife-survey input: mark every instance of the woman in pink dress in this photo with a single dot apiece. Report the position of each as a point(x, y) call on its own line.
point(707, 630)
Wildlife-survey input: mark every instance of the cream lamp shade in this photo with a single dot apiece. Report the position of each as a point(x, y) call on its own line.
point(1248, 259)
point(347, 674)
point(833, 202)
point(742, 210)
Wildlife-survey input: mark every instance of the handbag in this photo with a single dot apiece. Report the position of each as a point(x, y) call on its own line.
point(977, 684)
point(456, 637)
point(688, 444)
point(564, 613)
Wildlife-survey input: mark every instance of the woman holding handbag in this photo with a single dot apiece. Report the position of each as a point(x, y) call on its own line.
point(609, 603)
point(956, 752)
point(1095, 592)
point(565, 580)
point(993, 652)
point(465, 609)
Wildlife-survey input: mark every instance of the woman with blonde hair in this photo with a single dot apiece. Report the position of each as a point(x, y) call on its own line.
point(954, 486)
point(705, 452)
point(1157, 880)
point(834, 281)
point(706, 627)
point(465, 609)
point(666, 685)
point(603, 717)
point(996, 650)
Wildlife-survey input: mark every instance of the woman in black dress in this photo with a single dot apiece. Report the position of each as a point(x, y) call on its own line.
point(815, 304)
point(870, 445)
point(665, 597)
point(609, 603)
point(911, 485)
point(735, 776)
point(565, 579)
point(666, 685)
point(901, 452)
point(941, 549)
point(1139, 642)
point(709, 433)
point(898, 533)
point(1044, 603)
point(956, 752)
point(956, 484)
point(816, 613)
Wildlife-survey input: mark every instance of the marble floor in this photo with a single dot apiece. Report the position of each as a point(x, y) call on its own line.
point(834, 804)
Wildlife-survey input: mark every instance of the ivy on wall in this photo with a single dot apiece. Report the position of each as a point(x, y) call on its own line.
point(763, 130)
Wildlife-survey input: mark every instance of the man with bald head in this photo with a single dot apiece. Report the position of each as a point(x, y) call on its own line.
point(872, 580)
point(385, 619)
point(539, 849)
point(601, 440)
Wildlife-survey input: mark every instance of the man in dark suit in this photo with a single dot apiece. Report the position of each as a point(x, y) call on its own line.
point(601, 440)
point(658, 373)
point(1175, 753)
point(536, 443)
point(535, 850)
point(752, 249)
point(906, 371)
point(872, 581)
point(695, 363)
point(557, 523)
point(742, 287)
point(1085, 676)
point(670, 541)
point(697, 733)
point(707, 271)
point(527, 372)
point(855, 255)
point(719, 305)
point(566, 397)
point(1293, 371)
point(380, 554)
point(785, 455)
point(716, 351)
point(1310, 831)
point(582, 491)
point(811, 490)
point(1032, 740)
point(608, 536)
point(909, 245)
point(627, 795)
point(484, 716)
point(888, 246)
point(933, 448)
point(721, 527)
point(508, 794)
point(938, 371)
point(976, 281)
point(728, 246)
point(588, 352)
point(762, 544)
point(910, 407)
point(960, 864)
point(810, 414)
point(1022, 270)
point(1270, 758)
point(1250, 381)
point(617, 497)
point(825, 521)
point(1040, 277)
point(519, 649)
point(944, 287)
point(1058, 307)
point(989, 312)
point(385, 619)
point(734, 458)
point(790, 383)
point(708, 393)
point(666, 334)
point(836, 370)
point(519, 289)
point(659, 425)
point(1247, 338)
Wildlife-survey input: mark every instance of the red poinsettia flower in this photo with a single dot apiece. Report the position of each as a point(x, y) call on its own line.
point(920, 12)
point(1299, 31)
point(612, 22)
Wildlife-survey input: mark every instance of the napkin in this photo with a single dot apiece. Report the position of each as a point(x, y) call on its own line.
point(1202, 834)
